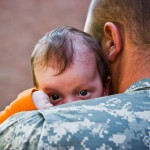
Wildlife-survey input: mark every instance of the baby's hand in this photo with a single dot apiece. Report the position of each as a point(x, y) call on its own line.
point(41, 100)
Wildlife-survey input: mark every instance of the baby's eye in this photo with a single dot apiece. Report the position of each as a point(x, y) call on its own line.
point(83, 93)
point(54, 97)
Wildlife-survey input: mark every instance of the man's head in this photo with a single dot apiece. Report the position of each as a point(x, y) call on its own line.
point(67, 60)
point(131, 16)
point(122, 27)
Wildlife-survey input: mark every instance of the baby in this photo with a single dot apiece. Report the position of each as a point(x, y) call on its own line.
point(67, 65)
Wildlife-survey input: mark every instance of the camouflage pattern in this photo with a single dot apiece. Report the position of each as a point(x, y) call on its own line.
point(110, 123)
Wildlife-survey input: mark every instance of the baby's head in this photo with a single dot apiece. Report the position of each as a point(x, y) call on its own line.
point(69, 65)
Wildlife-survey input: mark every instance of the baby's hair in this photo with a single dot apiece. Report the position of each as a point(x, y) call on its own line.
point(56, 49)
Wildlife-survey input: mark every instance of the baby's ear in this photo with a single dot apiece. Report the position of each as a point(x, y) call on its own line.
point(107, 86)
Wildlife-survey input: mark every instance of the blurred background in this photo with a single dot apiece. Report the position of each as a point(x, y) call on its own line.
point(22, 24)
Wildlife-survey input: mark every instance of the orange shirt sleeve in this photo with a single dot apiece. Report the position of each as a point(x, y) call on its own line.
point(22, 103)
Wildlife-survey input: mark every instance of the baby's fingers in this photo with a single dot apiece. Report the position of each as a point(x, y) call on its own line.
point(48, 105)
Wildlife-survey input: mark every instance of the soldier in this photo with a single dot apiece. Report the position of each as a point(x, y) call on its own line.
point(118, 121)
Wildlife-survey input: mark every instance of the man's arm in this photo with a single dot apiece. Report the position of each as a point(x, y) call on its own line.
point(113, 122)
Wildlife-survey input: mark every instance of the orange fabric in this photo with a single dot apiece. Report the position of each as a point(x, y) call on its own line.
point(22, 103)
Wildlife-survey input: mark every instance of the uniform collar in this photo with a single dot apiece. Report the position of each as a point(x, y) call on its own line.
point(140, 85)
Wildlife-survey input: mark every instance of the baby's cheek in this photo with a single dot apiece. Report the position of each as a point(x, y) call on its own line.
point(98, 94)
point(56, 103)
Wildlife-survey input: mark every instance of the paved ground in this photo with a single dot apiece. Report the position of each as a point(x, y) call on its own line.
point(22, 23)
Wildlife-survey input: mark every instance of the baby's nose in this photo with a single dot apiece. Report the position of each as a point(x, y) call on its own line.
point(71, 99)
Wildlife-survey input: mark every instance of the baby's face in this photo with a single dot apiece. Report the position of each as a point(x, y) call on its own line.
point(80, 81)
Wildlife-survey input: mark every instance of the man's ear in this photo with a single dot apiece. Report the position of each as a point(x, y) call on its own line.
point(113, 41)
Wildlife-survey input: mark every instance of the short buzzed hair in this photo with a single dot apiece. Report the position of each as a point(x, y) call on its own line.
point(132, 16)
point(56, 49)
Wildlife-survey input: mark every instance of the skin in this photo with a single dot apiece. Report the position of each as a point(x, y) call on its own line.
point(80, 81)
point(126, 66)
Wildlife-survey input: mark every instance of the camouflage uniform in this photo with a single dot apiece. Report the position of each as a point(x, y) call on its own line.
point(114, 122)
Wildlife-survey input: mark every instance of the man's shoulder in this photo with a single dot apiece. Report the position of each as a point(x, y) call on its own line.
point(118, 121)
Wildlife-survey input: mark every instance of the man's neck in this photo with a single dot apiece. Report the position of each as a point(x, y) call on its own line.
point(131, 68)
